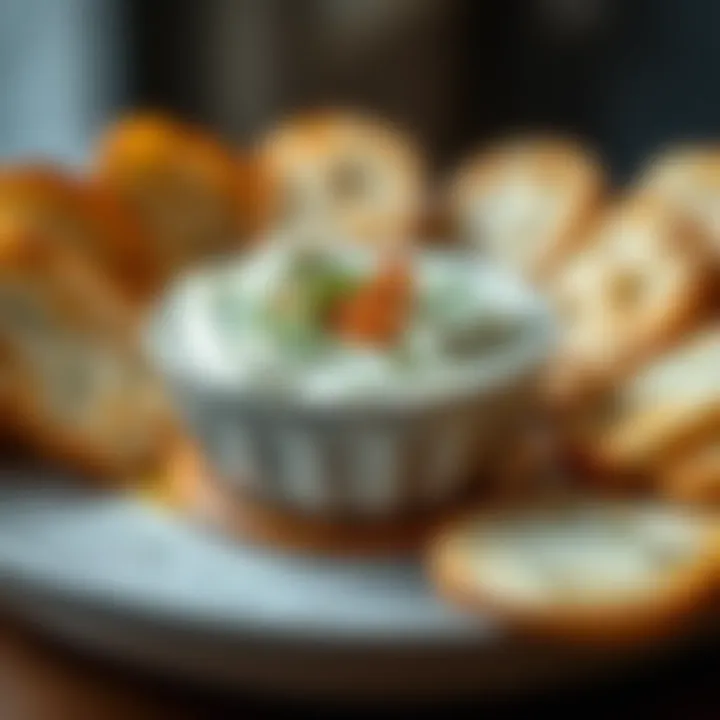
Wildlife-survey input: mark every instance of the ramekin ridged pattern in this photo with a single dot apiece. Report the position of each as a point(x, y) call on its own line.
point(370, 461)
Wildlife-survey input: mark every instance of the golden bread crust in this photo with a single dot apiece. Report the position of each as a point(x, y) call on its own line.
point(193, 196)
point(694, 477)
point(72, 211)
point(77, 388)
point(658, 420)
point(638, 287)
point(688, 178)
point(528, 201)
point(683, 594)
point(344, 173)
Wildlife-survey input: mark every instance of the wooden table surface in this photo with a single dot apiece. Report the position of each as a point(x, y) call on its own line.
point(40, 680)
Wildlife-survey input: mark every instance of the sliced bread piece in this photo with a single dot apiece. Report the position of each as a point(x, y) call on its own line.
point(582, 571)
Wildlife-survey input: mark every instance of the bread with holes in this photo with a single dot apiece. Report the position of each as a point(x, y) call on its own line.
point(598, 572)
point(352, 176)
point(662, 421)
point(191, 193)
point(688, 177)
point(642, 282)
point(527, 201)
point(71, 211)
point(74, 383)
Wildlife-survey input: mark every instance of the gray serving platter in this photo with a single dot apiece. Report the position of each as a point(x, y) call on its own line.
point(116, 576)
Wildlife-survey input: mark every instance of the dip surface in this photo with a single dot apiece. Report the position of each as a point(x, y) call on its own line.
point(324, 324)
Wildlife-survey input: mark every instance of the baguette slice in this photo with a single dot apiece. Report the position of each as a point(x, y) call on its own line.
point(343, 174)
point(663, 414)
point(688, 178)
point(74, 382)
point(192, 195)
point(528, 201)
point(695, 476)
point(642, 283)
point(592, 572)
point(75, 212)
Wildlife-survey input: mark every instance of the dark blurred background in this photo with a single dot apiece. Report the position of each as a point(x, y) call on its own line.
point(629, 75)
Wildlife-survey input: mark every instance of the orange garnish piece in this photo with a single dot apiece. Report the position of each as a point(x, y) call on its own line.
point(376, 313)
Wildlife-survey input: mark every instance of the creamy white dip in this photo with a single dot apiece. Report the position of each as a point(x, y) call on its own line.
point(251, 324)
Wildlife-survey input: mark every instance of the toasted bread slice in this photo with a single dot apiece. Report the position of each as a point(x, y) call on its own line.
point(595, 572)
point(688, 177)
point(663, 415)
point(72, 211)
point(694, 477)
point(75, 384)
point(639, 286)
point(528, 201)
point(351, 176)
point(191, 193)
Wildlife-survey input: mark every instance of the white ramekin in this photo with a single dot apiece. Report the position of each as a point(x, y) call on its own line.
point(378, 457)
